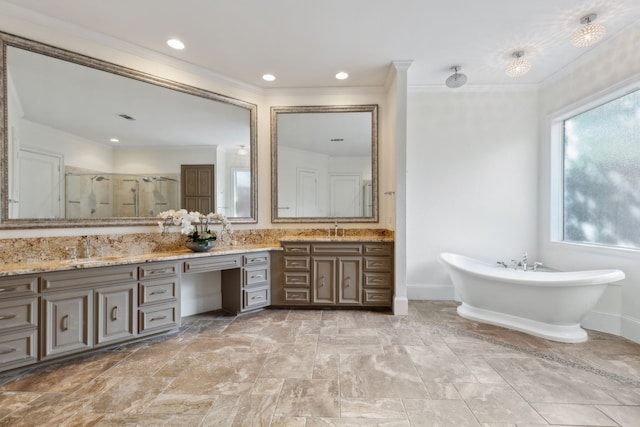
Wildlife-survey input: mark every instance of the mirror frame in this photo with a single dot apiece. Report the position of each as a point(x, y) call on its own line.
point(275, 111)
point(7, 39)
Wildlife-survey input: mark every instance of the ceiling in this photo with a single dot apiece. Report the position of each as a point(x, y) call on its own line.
point(304, 42)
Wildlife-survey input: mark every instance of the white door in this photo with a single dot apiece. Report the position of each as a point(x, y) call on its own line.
point(307, 189)
point(346, 199)
point(39, 184)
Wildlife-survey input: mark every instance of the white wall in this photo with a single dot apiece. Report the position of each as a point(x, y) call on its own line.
point(160, 160)
point(471, 181)
point(612, 63)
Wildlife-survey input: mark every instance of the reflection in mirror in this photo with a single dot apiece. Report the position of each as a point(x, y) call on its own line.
point(325, 163)
point(89, 142)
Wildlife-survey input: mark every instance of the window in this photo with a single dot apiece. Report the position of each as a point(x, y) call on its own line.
point(601, 174)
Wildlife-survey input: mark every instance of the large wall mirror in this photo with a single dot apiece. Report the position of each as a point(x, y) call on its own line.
point(324, 163)
point(85, 142)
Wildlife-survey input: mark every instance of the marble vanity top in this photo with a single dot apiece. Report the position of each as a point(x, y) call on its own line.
point(14, 269)
point(363, 239)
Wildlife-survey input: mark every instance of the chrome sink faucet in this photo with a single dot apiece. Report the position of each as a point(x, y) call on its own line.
point(88, 252)
point(336, 228)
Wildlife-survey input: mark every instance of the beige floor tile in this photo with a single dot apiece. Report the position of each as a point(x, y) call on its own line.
point(496, 403)
point(187, 404)
point(356, 368)
point(626, 416)
point(439, 413)
point(379, 376)
point(586, 415)
point(309, 398)
point(372, 408)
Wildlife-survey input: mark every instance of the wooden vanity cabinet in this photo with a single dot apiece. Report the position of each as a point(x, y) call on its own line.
point(83, 309)
point(18, 321)
point(335, 274)
point(159, 297)
point(255, 286)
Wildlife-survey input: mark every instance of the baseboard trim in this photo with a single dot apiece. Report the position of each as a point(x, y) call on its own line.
point(400, 306)
point(631, 328)
point(602, 322)
point(430, 292)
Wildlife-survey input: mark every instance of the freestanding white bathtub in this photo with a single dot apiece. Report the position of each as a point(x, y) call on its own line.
point(542, 303)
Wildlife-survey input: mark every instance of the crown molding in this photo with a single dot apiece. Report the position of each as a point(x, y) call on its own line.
point(527, 87)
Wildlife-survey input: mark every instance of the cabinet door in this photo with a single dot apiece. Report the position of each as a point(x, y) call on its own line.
point(115, 317)
point(349, 283)
point(67, 317)
point(324, 274)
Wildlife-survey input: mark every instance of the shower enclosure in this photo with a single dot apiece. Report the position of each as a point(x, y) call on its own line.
point(108, 195)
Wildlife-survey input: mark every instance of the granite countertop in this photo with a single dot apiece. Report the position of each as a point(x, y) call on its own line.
point(364, 239)
point(14, 269)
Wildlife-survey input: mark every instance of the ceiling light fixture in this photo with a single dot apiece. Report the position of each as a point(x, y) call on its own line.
point(268, 77)
point(342, 75)
point(175, 44)
point(519, 66)
point(114, 140)
point(456, 79)
point(242, 151)
point(590, 33)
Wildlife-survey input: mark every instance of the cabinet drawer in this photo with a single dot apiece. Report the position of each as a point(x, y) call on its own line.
point(377, 263)
point(336, 249)
point(297, 249)
point(18, 313)
point(378, 249)
point(255, 259)
point(159, 290)
point(152, 319)
point(254, 298)
point(18, 286)
point(377, 280)
point(381, 297)
point(214, 263)
point(296, 263)
point(157, 269)
point(297, 295)
point(296, 279)
point(19, 349)
point(255, 276)
point(88, 277)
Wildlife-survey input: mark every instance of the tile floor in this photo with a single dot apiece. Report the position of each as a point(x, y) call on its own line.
point(336, 368)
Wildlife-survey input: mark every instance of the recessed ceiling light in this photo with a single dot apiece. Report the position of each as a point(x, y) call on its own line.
point(114, 140)
point(268, 77)
point(176, 44)
point(342, 75)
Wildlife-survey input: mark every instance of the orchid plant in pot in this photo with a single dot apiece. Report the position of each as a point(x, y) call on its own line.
point(196, 226)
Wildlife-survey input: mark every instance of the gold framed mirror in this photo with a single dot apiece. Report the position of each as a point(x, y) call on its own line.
point(89, 143)
point(324, 163)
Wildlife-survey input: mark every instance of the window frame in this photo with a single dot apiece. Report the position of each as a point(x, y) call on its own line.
point(555, 131)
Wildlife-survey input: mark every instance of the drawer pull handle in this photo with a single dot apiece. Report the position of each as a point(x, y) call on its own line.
point(164, 316)
point(7, 289)
point(347, 282)
point(296, 250)
point(163, 271)
point(7, 350)
point(376, 264)
point(7, 316)
point(256, 297)
point(257, 260)
point(65, 322)
point(322, 281)
point(257, 276)
point(162, 291)
point(114, 313)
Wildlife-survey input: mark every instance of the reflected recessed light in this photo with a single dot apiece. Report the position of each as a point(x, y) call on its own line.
point(114, 140)
point(342, 75)
point(268, 77)
point(176, 44)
